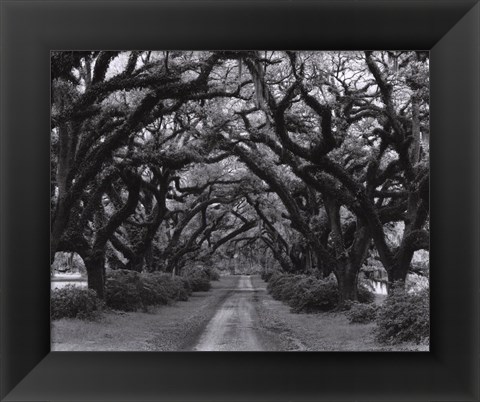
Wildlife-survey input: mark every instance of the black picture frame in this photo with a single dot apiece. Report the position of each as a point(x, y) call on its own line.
point(30, 29)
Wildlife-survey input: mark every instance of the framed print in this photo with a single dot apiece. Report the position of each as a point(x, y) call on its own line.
point(230, 178)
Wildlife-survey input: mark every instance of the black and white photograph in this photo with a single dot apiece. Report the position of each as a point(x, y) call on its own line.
point(240, 200)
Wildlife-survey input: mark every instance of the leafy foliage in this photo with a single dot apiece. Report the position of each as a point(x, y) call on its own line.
point(129, 290)
point(281, 286)
point(365, 295)
point(307, 293)
point(160, 288)
point(199, 277)
point(362, 313)
point(123, 290)
point(304, 293)
point(68, 262)
point(314, 295)
point(75, 302)
point(404, 317)
point(213, 274)
point(198, 283)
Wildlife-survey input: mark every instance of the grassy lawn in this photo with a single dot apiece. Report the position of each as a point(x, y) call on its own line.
point(113, 332)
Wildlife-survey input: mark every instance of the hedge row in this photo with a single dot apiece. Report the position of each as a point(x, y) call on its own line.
point(305, 293)
point(127, 290)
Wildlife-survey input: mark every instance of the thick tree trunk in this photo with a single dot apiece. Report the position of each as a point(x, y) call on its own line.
point(396, 278)
point(412, 237)
point(397, 275)
point(95, 265)
point(347, 279)
point(349, 266)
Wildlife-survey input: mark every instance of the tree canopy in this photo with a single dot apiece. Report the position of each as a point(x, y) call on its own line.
point(313, 159)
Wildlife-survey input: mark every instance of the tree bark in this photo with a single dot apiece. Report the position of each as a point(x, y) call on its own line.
point(347, 278)
point(95, 265)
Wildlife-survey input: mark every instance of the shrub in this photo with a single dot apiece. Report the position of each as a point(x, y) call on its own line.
point(365, 295)
point(180, 290)
point(288, 287)
point(154, 289)
point(186, 285)
point(304, 293)
point(313, 295)
point(74, 302)
point(281, 286)
point(199, 283)
point(213, 274)
point(195, 270)
point(161, 288)
point(199, 277)
point(129, 290)
point(123, 290)
point(362, 313)
point(404, 317)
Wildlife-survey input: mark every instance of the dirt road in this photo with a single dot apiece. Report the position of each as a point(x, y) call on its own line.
point(236, 315)
point(236, 325)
